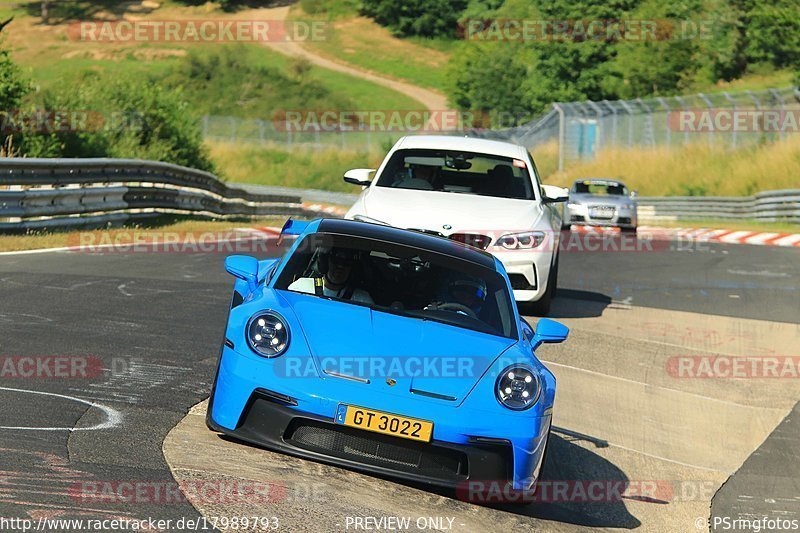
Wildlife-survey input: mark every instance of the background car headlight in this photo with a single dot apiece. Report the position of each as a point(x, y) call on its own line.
point(515, 241)
point(517, 387)
point(576, 207)
point(268, 334)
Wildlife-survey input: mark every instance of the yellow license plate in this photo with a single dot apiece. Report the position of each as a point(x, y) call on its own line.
point(388, 424)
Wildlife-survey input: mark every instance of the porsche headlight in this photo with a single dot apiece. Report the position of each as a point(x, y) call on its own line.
point(268, 334)
point(517, 387)
point(516, 241)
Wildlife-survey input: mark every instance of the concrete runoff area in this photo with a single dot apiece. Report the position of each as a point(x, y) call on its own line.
point(619, 415)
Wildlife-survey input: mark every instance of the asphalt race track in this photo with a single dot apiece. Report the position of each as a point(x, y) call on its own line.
point(146, 329)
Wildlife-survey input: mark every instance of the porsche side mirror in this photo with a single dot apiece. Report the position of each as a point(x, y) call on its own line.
point(245, 268)
point(549, 331)
point(359, 176)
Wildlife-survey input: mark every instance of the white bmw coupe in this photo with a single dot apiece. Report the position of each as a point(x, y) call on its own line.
point(484, 193)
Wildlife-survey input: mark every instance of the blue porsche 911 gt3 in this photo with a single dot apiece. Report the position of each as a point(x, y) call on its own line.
point(387, 351)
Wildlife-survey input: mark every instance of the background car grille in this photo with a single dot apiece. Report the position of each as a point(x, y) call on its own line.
point(602, 211)
point(378, 450)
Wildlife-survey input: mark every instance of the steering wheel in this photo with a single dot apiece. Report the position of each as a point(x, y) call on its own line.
point(458, 308)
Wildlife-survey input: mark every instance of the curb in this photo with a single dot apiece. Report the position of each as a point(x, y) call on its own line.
point(756, 238)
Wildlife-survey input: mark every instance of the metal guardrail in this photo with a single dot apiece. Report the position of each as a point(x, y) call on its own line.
point(767, 206)
point(48, 193)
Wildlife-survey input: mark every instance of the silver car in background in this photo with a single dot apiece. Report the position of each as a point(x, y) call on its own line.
point(601, 202)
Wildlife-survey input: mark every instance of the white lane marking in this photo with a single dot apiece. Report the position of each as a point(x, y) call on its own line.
point(113, 417)
point(653, 456)
point(98, 248)
point(39, 251)
point(634, 382)
point(762, 273)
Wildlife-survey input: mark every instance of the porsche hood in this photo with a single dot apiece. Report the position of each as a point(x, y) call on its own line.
point(423, 357)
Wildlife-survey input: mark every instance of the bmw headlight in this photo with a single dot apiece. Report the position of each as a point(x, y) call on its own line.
point(517, 387)
point(516, 241)
point(268, 334)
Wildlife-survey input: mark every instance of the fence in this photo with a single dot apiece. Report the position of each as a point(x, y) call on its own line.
point(260, 131)
point(583, 128)
point(45, 193)
point(580, 128)
point(767, 206)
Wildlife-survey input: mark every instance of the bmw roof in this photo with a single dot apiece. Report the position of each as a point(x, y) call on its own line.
point(461, 144)
point(411, 238)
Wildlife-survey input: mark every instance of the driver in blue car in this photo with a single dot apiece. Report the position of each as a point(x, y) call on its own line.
point(334, 269)
point(462, 295)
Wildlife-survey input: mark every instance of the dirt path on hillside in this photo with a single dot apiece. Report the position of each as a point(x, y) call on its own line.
point(432, 100)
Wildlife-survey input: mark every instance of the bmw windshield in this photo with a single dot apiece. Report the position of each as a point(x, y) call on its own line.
point(402, 280)
point(458, 172)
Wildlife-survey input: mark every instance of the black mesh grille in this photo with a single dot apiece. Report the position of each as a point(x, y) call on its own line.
point(378, 450)
point(520, 283)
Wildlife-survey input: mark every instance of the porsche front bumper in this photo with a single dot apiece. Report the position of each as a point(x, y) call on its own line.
point(277, 413)
point(269, 423)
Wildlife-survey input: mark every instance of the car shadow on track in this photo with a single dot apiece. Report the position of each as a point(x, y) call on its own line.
point(576, 487)
point(572, 303)
point(568, 486)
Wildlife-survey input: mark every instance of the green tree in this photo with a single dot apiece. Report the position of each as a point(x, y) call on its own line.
point(13, 84)
point(127, 119)
point(427, 18)
point(491, 78)
point(773, 33)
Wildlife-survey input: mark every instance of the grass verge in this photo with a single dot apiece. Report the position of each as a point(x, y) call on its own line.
point(696, 169)
point(301, 168)
point(51, 58)
point(363, 43)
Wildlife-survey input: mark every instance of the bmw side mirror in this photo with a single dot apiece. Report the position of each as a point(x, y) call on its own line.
point(552, 194)
point(245, 268)
point(359, 176)
point(549, 331)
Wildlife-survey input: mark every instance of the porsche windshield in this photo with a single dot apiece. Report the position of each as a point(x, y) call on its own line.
point(399, 279)
point(458, 172)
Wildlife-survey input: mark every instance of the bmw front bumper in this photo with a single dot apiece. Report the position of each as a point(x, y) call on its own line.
point(528, 270)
